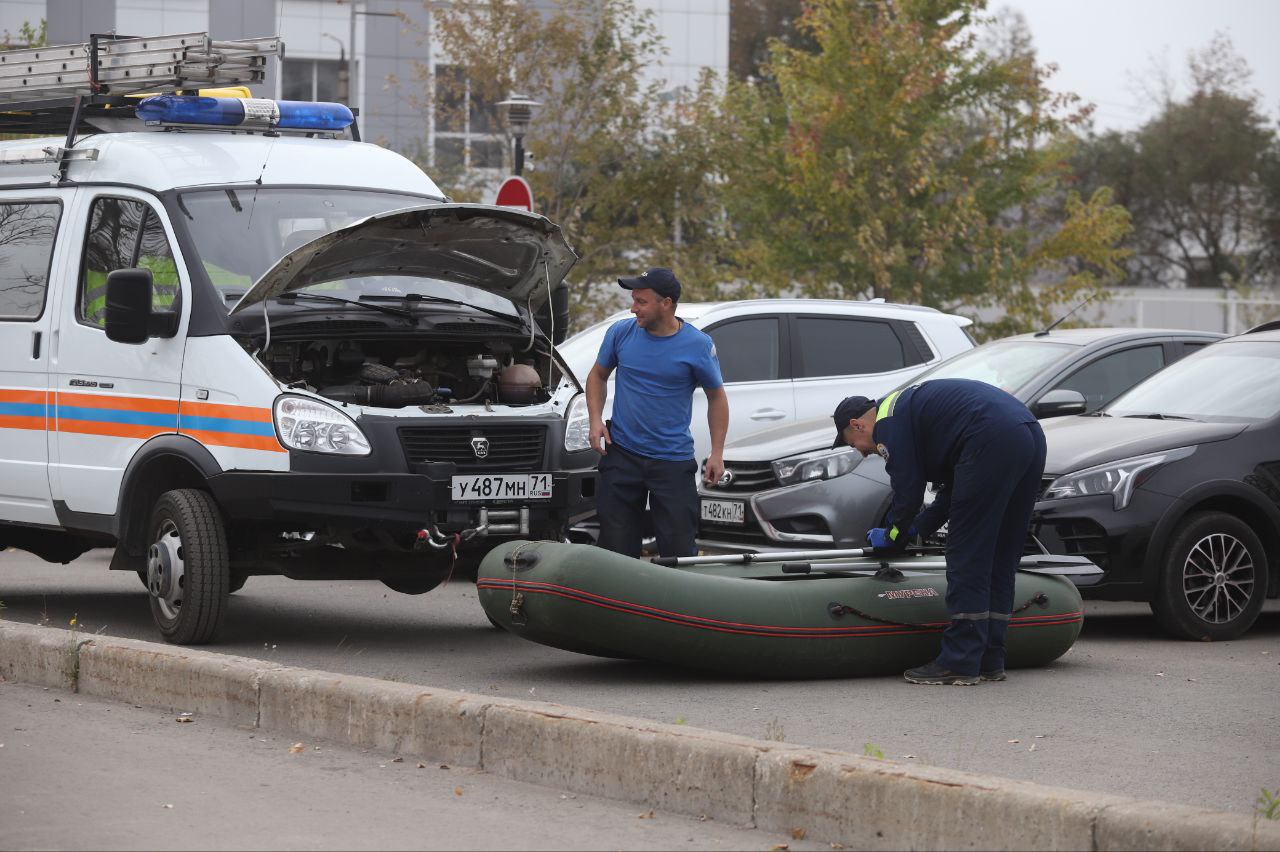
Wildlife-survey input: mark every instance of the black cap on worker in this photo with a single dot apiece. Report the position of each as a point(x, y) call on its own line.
point(850, 408)
point(658, 279)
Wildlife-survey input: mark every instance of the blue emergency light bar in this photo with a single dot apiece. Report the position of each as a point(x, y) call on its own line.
point(249, 113)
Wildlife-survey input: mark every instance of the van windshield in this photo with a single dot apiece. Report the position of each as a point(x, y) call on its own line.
point(240, 233)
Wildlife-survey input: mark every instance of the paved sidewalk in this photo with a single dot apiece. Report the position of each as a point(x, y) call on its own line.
point(81, 773)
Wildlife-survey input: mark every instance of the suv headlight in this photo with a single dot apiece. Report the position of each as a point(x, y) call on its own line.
point(1119, 478)
point(823, 464)
point(306, 424)
point(577, 427)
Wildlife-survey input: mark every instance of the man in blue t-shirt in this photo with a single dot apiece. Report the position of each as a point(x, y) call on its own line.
point(646, 448)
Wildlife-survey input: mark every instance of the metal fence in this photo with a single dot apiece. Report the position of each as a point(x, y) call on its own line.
point(1202, 310)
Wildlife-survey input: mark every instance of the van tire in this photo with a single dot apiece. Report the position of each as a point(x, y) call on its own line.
point(188, 567)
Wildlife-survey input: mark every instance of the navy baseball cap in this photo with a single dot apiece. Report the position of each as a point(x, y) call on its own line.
point(658, 279)
point(850, 408)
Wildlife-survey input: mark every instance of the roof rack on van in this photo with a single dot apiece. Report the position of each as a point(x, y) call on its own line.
point(94, 86)
point(113, 65)
point(53, 89)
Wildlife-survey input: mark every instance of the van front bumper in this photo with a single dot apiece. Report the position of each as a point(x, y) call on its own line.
point(300, 501)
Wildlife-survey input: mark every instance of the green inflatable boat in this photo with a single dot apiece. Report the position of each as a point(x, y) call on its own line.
point(811, 614)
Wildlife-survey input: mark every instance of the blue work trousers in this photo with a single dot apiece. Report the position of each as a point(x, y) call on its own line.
point(626, 481)
point(996, 482)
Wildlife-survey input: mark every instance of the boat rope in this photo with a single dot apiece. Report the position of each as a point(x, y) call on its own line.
point(838, 609)
point(516, 609)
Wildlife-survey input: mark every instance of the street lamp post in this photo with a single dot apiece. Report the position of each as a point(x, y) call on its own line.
point(517, 113)
point(344, 70)
point(352, 87)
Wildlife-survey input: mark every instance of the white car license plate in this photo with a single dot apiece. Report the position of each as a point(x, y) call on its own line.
point(503, 486)
point(724, 511)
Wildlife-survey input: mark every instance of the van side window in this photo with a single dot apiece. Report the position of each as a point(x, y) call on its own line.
point(27, 229)
point(124, 234)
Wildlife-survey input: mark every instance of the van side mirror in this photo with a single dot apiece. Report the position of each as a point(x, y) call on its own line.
point(129, 305)
point(1059, 403)
point(558, 307)
point(129, 318)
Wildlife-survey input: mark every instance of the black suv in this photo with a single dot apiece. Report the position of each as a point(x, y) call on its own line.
point(1174, 489)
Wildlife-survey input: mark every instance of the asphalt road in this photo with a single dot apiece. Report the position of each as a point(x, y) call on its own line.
point(1126, 711)
point(82, 773)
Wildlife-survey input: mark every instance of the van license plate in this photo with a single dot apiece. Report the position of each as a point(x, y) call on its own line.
point(503, 486)
point(724, 511)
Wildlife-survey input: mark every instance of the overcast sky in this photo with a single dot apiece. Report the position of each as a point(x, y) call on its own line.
point(1100, 46)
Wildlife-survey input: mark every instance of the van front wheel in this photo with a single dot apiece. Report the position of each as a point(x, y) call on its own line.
point(188, 569)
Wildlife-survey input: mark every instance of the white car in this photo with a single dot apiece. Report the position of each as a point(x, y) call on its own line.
point(790, 359)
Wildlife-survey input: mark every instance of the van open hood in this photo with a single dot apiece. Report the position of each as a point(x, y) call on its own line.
point(507, 252)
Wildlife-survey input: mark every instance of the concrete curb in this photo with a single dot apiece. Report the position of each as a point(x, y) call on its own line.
point(856, 801)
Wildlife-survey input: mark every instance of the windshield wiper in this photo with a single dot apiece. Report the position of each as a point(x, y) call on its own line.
point(1155, 415)
point(321, 297)
point(418, 297)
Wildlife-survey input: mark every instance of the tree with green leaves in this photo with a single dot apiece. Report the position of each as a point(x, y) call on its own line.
point(27, 36)
point(1201, 179)
point(898, 159)
point(624, 168)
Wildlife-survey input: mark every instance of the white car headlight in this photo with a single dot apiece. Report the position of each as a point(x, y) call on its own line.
point(306, 424)
point(1119, 478)
point(824, 464)
point(577, 427)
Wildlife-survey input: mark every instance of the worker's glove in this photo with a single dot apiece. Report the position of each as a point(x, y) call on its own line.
point(881, 543)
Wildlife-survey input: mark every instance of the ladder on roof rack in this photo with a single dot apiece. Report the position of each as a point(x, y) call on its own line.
point(111, 65)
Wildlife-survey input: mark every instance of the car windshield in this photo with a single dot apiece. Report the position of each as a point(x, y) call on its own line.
point(1237, 381)
point(239, 234)
point(1007, 364)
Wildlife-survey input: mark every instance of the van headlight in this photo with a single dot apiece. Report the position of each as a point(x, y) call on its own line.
point(1119, 478)
point(306, 424)
point(824, 464)
point(577, 427)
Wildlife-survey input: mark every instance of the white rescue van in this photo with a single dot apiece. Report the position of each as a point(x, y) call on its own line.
point(236, 341)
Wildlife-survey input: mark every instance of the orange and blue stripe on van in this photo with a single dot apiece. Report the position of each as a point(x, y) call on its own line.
point(22, 409)
point(217, 424)
point(240, 426)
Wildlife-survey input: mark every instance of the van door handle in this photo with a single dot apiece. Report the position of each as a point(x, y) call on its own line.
point(768, 414)
point(35, 346)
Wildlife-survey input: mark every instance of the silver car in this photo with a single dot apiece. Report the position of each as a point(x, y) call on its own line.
point(786, 488)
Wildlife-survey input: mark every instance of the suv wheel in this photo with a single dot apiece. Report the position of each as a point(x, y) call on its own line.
point(188, 570)
point(1213, 580)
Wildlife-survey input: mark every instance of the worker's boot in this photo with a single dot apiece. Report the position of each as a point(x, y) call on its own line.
point(934, 674)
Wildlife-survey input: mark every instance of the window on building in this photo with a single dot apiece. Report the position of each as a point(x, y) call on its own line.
point(27, 230)
point(310, 80)
point(467, 131)
point(124, 234)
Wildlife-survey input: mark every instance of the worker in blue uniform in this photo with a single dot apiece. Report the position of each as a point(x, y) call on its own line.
point(984, 452)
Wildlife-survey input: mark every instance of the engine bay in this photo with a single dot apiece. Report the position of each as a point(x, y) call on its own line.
point(396, 373)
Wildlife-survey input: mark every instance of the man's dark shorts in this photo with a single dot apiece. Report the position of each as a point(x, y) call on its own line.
point(626, 481)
